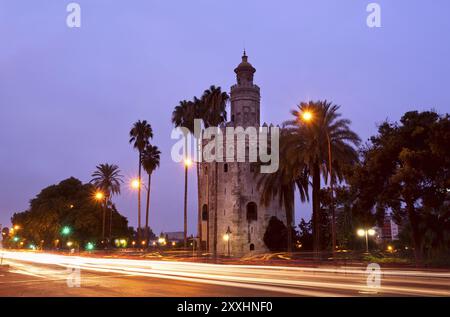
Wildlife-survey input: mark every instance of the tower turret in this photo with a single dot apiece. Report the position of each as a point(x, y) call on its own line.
point(245, 96)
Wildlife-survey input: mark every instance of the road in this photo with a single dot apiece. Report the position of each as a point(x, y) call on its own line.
point(44, 274)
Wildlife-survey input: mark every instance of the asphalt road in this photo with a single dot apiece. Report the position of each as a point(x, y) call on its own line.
point(41, 274)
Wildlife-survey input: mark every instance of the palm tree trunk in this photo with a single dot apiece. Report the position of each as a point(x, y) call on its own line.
point(139, 198)
point(110, 222)
point(289, 219)
point(289, 233)
point(208, 204)
point(185, 203)
point(316, 209)
point(216, 178)
point(147, 207)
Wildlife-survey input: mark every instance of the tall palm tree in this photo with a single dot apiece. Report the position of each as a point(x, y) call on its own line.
point(281, 186)
point(150, 162)
point(107, 179)
point(213, 111)
point(140, 134)
point(312, 142)
point(184, 115)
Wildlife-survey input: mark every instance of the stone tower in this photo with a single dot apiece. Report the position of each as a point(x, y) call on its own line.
point(233, 203)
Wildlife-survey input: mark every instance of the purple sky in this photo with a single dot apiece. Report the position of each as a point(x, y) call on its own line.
point(68, 97)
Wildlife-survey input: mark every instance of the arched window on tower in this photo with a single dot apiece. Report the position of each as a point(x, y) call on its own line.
point(205, 212)
point(225, 168)
point(252, 211)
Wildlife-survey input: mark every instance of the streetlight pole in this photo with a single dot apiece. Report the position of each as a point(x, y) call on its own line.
point(367, 242)
point(227, 237)
point(187, 164)
point(366, 233)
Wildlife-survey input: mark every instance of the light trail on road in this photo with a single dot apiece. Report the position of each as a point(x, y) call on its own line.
point(297, 281)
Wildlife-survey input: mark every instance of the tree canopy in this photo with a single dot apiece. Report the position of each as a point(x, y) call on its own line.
point(69, 203)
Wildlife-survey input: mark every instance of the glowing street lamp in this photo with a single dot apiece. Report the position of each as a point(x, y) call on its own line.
point(99, 196)
point(65, 231)
point(307, 115)
point(135, 183)
point(226, 238)
point(366, 233)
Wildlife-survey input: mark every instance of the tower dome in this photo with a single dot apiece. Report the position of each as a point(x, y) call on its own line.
point(244, 65)
point(244, 71)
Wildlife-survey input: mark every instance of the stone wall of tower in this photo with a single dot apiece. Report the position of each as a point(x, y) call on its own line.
point(236, 194)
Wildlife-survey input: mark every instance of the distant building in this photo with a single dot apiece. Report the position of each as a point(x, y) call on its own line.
point(177, 236)
point(389, 230)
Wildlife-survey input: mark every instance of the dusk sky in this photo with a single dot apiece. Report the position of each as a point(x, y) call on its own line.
point(68, 96)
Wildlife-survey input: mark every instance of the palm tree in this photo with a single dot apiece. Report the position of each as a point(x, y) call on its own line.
point(311, 141)
point(150, 162)
point(281, 186)
point(183, 116)
point(213, 112)
point(140, 134)
point(107, 179)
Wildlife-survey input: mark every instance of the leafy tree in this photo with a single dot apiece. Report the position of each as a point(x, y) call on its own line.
point(305, 234)
point(406, 168)
point(69, 203)
point(275, 236)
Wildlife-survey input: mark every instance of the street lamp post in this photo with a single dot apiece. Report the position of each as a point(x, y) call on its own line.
point(366, 233)
point(227, 237)
point(187, 164)
point(99, 196)
point(136, 184)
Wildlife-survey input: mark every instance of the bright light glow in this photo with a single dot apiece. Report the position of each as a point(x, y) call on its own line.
point(226, 237)
point(99, 196)
point(390, 248)
point(15, 239)
point(283, 279)
point(174, 243)
point(361, 232)
point(65, 230)
point(306, 115)
point(16, 227)
point(135, 184)
point(162, 240)
point(187, 162)
point(69, 244)
point(89, 246)
point(371, 232)
point(133, 243)
point(143, 242)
